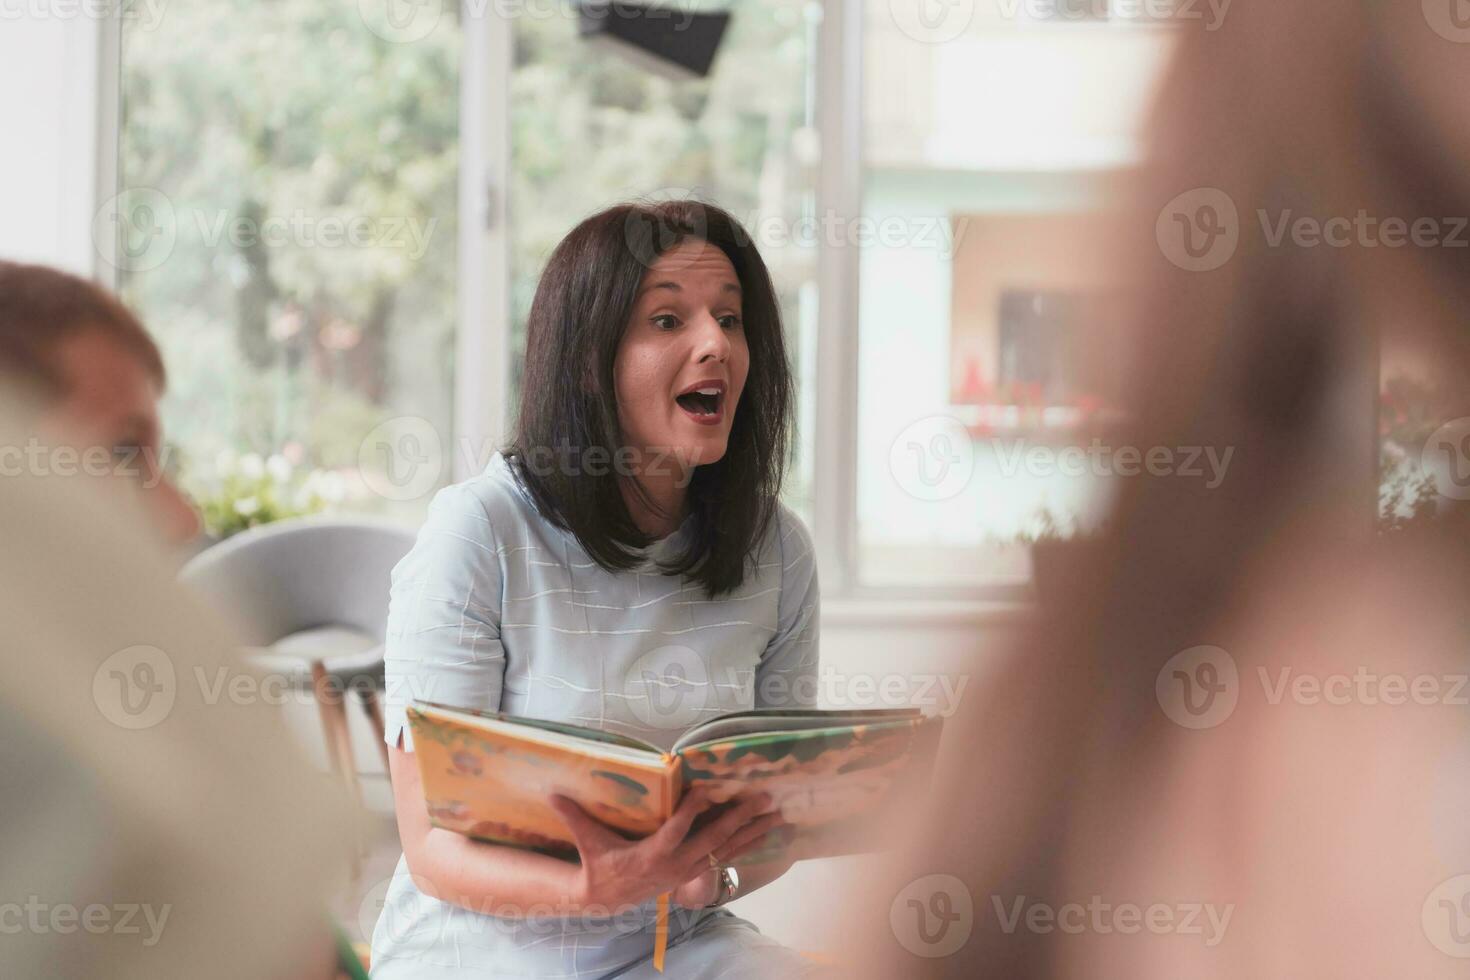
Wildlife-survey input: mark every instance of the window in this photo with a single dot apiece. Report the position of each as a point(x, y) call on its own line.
point(304, 224)
point(992, 149)
point(592, 126)
point(287, 230)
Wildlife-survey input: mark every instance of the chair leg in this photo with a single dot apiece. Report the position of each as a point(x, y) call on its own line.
point(375, 715)
point(322, 695)
point(333, 707)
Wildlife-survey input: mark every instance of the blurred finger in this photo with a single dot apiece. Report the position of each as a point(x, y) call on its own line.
point(719, 831)
point(695, 802)
point(747, 837)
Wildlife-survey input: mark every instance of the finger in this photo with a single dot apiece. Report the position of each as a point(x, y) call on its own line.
point(720, 830)
point(591, 837)
point(701, 866)
point(747, 837)
point(676, 828)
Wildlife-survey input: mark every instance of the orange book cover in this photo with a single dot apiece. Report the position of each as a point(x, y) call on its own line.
point(495, 785)
point(837, 778)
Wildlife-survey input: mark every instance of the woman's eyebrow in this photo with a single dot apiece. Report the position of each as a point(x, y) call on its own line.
point(674, 286)
point(729, 287)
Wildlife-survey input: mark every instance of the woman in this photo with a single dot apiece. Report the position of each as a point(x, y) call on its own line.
point(625, 564)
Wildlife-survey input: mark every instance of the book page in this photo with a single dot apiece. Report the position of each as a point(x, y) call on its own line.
point(839, 790)
point(771, 720)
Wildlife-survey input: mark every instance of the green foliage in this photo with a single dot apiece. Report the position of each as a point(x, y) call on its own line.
point(243, 492)
point(1409, 411)
point(266, 124)
point(257, 111)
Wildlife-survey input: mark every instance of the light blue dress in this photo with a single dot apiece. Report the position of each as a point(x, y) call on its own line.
point(496, 608)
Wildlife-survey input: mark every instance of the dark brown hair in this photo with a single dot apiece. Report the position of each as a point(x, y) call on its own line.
point(41, 307)
point(582, 306)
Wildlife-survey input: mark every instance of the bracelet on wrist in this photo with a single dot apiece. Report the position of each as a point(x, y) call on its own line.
point(728, 887)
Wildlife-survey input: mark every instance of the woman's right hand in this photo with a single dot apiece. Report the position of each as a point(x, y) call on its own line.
point(617, 872)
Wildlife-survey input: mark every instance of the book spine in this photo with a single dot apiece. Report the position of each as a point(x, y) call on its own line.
point(673, 783)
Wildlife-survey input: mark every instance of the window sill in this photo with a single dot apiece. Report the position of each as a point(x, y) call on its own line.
point(856, 611)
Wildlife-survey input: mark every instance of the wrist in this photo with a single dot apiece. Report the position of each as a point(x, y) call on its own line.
point(699, 891)
point(589, 894)
point(727, 887)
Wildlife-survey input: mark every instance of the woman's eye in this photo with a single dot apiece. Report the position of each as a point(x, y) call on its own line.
point(666, 322)
point(730, 322)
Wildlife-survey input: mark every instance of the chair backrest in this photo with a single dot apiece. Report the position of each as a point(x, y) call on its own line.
point(299, 574)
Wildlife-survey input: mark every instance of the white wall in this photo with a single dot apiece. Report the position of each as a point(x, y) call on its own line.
point(48, 109)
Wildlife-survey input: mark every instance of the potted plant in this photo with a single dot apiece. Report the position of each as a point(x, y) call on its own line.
point(247, 491)
point(1059, 549)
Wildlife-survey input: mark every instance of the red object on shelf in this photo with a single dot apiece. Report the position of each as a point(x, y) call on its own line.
point(974, 390)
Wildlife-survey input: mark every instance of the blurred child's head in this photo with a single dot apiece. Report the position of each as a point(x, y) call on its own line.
point(97, 375)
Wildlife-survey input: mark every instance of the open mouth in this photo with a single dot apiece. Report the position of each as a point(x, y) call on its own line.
point(703, 402)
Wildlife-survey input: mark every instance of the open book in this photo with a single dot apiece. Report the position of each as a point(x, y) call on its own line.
point(839, 778)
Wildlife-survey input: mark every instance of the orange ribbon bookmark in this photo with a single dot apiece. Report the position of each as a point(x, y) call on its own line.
point(661, 935)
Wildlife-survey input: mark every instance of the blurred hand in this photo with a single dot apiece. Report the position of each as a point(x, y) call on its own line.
point(617, 872)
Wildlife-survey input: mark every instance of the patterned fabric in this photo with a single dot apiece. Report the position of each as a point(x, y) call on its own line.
point(496, 608)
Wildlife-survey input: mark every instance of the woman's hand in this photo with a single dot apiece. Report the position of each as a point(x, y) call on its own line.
point(617, 872)
point(699, 891)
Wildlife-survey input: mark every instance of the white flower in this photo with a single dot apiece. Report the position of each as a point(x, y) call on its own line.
point(279, 467)
point(252, 467)
point(333, 487)
point(246, 506)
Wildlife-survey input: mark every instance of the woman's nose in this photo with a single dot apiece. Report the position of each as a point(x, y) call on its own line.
point(713, 343)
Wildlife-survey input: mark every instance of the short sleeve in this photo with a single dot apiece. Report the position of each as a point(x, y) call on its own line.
point(443, 637)
point(787, 674)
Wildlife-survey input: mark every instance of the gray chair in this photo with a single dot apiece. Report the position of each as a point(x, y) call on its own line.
point(310, 596)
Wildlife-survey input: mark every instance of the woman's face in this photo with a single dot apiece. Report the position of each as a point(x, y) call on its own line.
point(682, 361)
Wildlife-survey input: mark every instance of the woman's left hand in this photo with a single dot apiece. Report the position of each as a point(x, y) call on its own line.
point(699, 891)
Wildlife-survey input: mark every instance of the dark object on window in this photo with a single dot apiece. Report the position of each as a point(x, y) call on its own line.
point(678, 43)
point(1060, 347)
point(1038, 332)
